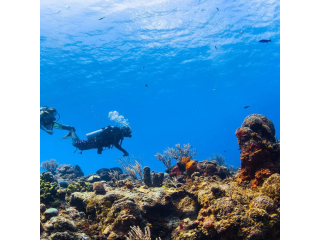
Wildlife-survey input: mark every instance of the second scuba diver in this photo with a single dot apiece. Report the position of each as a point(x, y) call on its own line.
point(105, 137)
point(48, 121)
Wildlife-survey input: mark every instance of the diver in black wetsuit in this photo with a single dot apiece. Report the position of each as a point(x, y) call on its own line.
point(48, 121)
point(105, 137)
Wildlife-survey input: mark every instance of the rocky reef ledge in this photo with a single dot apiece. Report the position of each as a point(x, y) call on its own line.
point(202, 208)
point(209, 202)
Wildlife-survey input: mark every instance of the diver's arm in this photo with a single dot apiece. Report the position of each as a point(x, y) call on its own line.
point(121, 149)
point(47, 131)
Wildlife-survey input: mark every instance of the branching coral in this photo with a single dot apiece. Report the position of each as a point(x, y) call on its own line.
point(219, 158)
point(137, 234)
point(132, 167)
point(185, 151)
point(50, 165)
point(114, 175)
point(178, 154)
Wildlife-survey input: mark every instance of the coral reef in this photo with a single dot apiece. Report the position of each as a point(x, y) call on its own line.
point(132, 167)
point(202, 207)
point(219, 158)
point(152, 179)
point(195, 200)
point(104, 173)
point(48, 190)
point(69, 172)
point(178, 154)
point(260, 151)
point(50, 165)
point(184, 165)
point(80, 186)
point(205, 167)
point(137, 234)
point(98, 188)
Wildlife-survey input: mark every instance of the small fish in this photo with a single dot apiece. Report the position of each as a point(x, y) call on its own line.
point(197, 111)
point(101, 18)
point(264, 41)
point(246, 107)
point(146, 85)
point(218, 9)
point(215, 47)
point(143, 67)
point(225, 150)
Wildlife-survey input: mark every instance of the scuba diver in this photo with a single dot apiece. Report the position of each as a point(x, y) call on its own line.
point(48, 121)
point(105, 137)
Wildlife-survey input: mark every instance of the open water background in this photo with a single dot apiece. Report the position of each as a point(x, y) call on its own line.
point(90, 67)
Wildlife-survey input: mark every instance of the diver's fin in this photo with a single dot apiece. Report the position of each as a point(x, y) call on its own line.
point(68, 135)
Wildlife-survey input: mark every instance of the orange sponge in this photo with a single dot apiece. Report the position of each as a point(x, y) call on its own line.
point(191, 167)
point(185, 160)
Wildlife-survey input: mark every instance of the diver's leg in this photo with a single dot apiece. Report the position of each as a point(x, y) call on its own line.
point(121, 149)
point(63, 127)
point(74, 136)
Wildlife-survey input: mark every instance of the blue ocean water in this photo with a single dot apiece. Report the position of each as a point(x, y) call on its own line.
point(202, 62)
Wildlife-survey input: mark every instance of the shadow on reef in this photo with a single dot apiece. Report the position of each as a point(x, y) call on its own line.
point(193, 200)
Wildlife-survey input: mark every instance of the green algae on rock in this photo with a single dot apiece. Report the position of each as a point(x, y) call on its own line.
point(80, 186)
point(48, 190)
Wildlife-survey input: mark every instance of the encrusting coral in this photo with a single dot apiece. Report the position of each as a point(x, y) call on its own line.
point(203, 207)
point(260, 151)
point(80, 186)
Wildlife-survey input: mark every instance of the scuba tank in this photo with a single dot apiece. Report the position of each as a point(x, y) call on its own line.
point(97, 134)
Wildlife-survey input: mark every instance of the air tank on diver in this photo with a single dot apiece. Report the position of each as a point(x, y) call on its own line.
point(98, 133)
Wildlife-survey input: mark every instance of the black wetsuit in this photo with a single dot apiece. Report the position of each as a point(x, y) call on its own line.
point(111, 136)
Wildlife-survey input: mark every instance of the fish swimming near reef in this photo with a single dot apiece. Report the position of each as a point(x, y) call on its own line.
point(101, 18)
point(246, 107)
point(265, 40)
point(146, 85)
